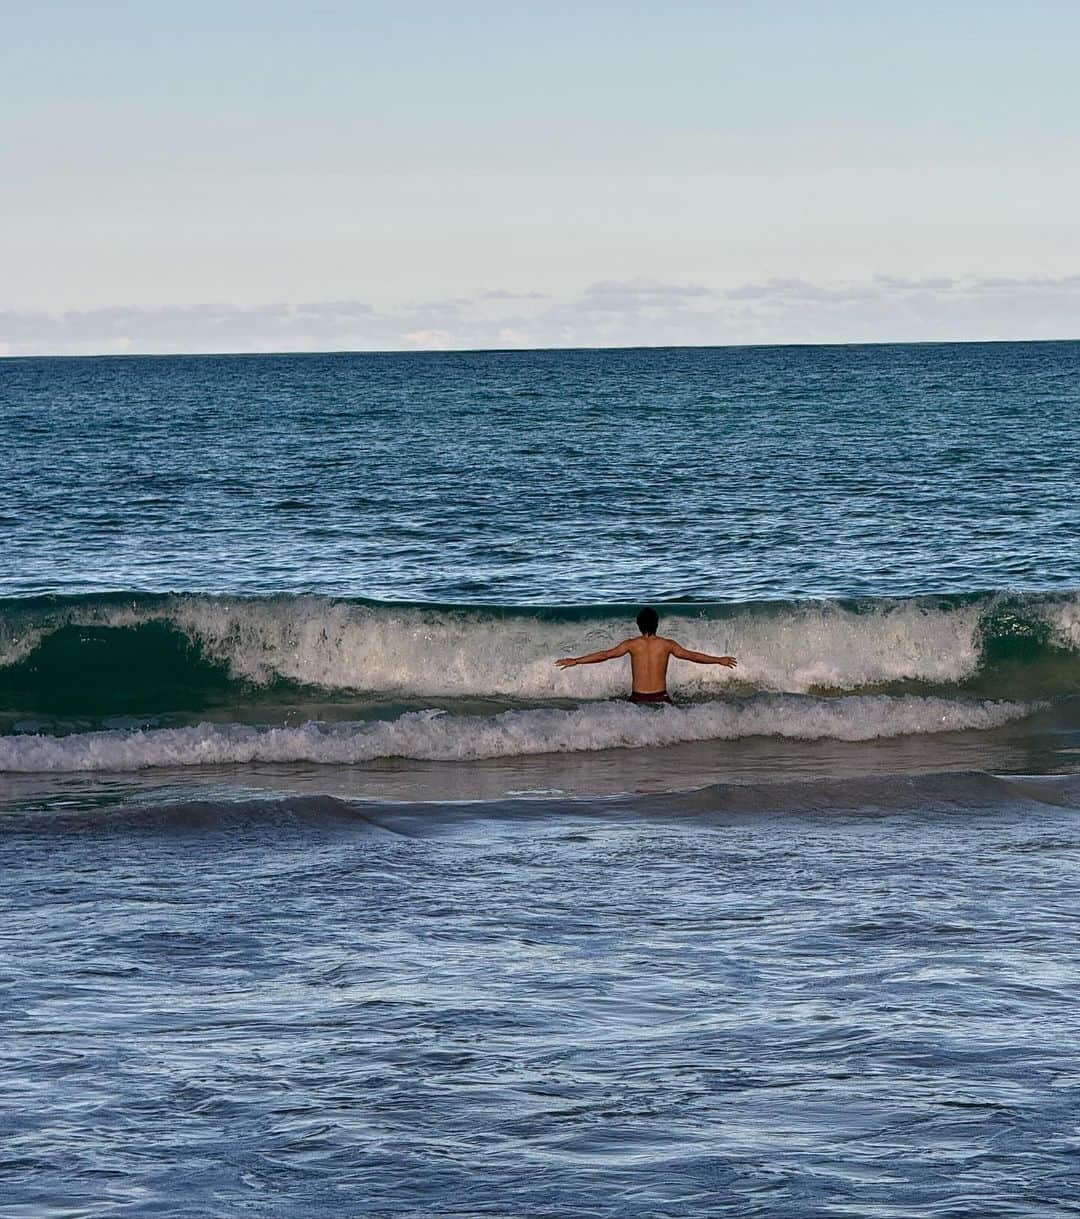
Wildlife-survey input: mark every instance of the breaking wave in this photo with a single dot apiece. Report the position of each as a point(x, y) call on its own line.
point(438, 736)
point(145, 652)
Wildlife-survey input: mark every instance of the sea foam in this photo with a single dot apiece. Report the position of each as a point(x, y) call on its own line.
point(342, 644)
point(436, 735)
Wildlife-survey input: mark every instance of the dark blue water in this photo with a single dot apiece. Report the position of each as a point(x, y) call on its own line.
point(323, 891)
point(525, 477)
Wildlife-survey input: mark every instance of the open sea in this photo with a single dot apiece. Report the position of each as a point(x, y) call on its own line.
point(323, 892)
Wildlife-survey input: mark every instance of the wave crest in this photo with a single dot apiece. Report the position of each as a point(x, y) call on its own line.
point(130, 648)
point(438, 736)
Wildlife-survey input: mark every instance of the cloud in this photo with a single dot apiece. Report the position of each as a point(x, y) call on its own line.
point(211, 323)
point(430, 340)
point(449, 304)
point(636, 294)
point(900, 284)
point(631, 312)
point(1032, 283)
point(894, 308)
point(801, 290)
point(501, 294)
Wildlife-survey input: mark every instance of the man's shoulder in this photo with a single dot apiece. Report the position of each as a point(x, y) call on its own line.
point(649, 642)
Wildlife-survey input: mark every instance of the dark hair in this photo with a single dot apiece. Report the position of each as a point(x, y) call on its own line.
point(648, 620)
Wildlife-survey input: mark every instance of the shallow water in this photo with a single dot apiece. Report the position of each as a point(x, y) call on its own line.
point(550, 1008)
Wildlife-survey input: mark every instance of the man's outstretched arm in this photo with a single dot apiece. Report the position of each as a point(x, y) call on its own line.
point(594, 658)
point(702, 658)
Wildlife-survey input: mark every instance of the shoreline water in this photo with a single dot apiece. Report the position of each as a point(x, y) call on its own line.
point(600, 1008)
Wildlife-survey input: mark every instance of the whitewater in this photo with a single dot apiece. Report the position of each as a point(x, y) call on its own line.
point(338, 644)
point(851, 671)
point(436, 735)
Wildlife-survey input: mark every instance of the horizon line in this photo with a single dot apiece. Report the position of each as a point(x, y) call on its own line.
point(521, 350)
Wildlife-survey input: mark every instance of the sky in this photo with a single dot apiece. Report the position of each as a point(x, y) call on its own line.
point(365, 176)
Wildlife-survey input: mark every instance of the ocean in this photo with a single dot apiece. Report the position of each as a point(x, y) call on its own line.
point(323, 891)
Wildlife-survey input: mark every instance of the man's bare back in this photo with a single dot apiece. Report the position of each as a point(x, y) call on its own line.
point(649, 655)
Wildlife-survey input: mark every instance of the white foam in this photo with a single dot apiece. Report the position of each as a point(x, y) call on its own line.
point(435, 653)
point(420, 652)
point(1064, 622)
point(434, 735)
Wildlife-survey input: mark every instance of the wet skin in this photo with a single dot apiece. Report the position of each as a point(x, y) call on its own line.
point(649, 656)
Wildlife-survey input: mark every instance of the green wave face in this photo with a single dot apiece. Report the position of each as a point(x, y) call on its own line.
point(151, 655)
point(106, 670)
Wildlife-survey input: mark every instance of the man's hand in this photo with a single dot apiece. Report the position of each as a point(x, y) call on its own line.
point(729, 662)
point(567, 662)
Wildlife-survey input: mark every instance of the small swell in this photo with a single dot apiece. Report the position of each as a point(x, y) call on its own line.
point(437, 736)
point(956, 791)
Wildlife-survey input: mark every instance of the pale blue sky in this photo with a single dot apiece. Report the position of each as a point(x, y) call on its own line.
point(403, 160)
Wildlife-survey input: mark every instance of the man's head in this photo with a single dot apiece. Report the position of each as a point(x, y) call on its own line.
point(648, 620)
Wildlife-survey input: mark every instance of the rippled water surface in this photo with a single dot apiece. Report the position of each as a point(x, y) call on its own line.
point(541, 1009)
point(514, 477)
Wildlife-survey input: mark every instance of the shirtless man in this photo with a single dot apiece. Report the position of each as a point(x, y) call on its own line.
point(649, 655)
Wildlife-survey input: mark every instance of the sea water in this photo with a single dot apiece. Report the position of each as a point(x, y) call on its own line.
point(325, 892)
